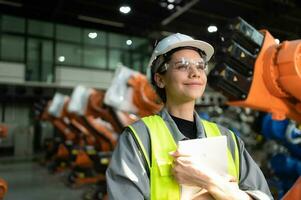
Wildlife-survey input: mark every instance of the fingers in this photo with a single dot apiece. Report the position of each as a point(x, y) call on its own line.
point(180, 160)
point(173, 153)
point(204, 196)
point(230, 178)
point(178, 153)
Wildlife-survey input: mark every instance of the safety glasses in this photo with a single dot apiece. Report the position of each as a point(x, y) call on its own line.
point(187, 65)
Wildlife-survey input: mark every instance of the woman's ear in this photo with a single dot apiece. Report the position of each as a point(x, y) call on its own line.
point(159, 80)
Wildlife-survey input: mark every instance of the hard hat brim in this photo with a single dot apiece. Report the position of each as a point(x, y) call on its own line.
point(199, 44)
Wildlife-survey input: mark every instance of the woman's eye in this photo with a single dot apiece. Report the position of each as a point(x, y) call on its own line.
point(201, 66)
point(182, 67)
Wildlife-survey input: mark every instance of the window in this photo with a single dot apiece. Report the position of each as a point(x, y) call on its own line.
point(119, 57)
point(39, 60)
point(47, 61)
point(13, 24)
point(139, 44)
point(40, 28)
point(145, 61)
point(95, 57)
point(137, 65)
point(33, 60)
point(94, 37)
point(74, 46)
point(68, 33)
point(118, 41)
point(12, 48)
point(68, 54)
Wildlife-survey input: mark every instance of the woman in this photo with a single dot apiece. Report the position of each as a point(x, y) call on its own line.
point(146, 163)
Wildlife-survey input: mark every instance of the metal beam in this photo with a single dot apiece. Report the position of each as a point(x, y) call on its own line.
point(100, 21)
point(179, 12)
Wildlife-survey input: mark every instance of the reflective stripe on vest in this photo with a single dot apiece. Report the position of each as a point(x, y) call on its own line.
point(163, 185)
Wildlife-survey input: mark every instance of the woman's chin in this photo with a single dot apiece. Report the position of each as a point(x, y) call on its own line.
point(193, 97)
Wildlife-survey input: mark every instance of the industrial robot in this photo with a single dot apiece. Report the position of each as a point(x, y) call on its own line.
point(254, 70)
point(3, 184)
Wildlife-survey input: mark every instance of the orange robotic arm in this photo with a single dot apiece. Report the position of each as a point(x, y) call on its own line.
point(3, 188)
point(254, 71)
point(144, 96)
point(3, 184)
point(3, 131)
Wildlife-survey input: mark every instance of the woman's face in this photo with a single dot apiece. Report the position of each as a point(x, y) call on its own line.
point(183, 84)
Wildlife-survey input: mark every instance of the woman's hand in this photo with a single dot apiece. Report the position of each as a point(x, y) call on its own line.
point(204, 196)
point(188, 170)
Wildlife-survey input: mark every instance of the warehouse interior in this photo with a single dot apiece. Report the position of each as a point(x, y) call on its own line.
point(73, 75)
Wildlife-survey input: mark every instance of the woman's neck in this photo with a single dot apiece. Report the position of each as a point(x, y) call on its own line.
point(183, 110)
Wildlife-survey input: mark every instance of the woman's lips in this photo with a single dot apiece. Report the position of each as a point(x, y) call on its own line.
point(193, 84)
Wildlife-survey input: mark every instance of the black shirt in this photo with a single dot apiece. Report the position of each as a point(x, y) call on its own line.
point(186, 127)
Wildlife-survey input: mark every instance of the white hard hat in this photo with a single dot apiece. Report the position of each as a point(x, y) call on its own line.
point(180, 40)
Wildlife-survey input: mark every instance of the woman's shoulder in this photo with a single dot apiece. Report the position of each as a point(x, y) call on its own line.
point(137, 128)
point(225, 131)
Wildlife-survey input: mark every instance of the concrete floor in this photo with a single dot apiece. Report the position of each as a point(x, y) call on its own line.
point(31, 181)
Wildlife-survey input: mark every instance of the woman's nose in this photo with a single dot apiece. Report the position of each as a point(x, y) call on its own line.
point(193, 71)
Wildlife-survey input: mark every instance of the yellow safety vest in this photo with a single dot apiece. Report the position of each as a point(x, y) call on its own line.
point(162, 185)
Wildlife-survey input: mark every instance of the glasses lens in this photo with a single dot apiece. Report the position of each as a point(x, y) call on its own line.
point(201, 65)
point(186, 65)
point(182, 65)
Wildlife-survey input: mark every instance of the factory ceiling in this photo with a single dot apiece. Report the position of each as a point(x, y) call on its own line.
point(155, 18)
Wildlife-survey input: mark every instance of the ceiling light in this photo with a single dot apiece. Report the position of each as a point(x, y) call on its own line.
point(125, 9)
point(92, 35)
point(171, 1)
point(212, 29)
point(61, 58)
point(129, 42)
point(170, 6)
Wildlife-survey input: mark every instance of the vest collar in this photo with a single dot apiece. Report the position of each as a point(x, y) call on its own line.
point(177, 135)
